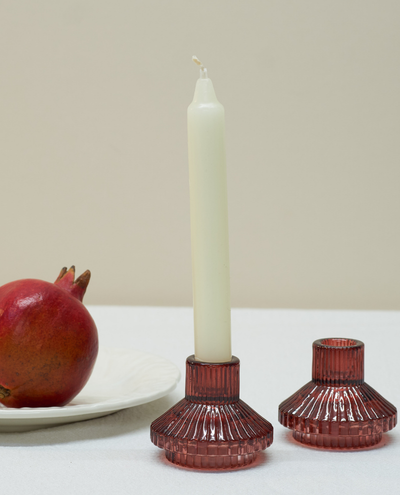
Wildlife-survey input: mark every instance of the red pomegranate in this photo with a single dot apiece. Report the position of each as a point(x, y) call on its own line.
point(48, 341)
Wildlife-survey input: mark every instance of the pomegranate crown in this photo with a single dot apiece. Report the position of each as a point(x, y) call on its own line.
point(66, 280)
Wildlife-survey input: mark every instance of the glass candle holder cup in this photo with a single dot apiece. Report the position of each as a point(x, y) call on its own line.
point(337, 409)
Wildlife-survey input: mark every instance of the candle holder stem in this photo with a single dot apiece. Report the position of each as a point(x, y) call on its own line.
point(211, 428)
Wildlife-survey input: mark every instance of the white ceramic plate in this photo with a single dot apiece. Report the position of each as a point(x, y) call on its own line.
point(121, 378)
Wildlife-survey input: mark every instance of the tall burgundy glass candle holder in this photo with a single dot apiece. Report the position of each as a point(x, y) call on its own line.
point(211, 428)
point(337, 409)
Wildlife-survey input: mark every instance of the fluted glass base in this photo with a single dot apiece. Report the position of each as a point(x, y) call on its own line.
point(346, 442)
point(211, 428)
point(337, 409)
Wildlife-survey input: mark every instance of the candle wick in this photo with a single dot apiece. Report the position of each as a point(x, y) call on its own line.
point(203, 70)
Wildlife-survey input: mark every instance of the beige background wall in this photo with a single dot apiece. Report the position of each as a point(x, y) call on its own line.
point(93, 98)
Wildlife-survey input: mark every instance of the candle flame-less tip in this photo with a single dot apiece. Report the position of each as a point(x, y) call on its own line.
point(197, 61)
point(203, 70)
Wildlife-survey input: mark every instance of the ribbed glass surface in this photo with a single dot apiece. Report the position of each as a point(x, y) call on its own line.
point(214, 383)
point(337, 409)
point(211, 428)
point(338, 362)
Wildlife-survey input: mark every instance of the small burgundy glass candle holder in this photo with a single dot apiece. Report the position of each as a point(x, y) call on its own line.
point(211, 428)
point(337, 409)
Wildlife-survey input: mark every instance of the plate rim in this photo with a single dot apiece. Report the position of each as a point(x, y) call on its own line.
point(63, 412)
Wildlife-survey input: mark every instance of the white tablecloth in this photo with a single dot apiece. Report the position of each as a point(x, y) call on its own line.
point(114, 455)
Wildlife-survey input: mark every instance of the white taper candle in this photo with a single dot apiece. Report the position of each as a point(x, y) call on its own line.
point(209, 223)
